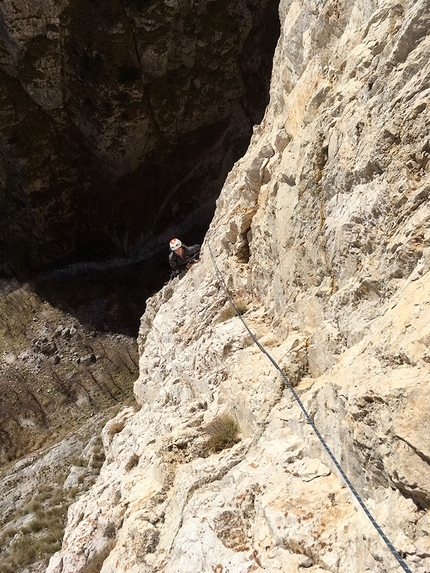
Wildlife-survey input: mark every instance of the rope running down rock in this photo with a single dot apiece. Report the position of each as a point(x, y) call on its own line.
point(311, 422)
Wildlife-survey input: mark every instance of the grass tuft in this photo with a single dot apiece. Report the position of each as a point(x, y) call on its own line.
point(228, 311)
point(223, 432)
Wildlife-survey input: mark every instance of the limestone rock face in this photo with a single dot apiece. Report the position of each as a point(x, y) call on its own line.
point(118, 118)
point(321, 234)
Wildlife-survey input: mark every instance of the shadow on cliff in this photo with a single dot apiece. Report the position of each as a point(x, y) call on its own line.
point(108, 297)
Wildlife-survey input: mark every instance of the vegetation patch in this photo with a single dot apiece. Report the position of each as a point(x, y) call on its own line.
point(228, 311)
point(98, 457)
point(223, 433)
point(42, 534)
point(33, 532)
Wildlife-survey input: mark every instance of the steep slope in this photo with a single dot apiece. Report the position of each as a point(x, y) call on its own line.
point(321, 232)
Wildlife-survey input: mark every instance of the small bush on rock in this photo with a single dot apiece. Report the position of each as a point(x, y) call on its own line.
point(223, 432)
point(228, 311)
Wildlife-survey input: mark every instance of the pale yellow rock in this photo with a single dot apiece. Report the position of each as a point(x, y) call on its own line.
point(322, 231)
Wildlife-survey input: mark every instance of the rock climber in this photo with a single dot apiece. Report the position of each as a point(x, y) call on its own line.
point(182, 257)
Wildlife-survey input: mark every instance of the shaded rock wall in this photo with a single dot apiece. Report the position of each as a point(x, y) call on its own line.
point(119, 119)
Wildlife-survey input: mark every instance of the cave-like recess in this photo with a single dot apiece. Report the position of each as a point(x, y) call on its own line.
point(120, 120)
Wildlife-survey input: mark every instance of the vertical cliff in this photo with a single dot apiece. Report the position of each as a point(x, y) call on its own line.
point(321, 234)
point(121, 118)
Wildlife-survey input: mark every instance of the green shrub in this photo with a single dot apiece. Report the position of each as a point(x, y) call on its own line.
point(223, 432)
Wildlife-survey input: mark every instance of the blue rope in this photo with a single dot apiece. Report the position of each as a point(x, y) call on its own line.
point(311, 422)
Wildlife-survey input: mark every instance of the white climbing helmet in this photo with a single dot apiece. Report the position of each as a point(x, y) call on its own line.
point(175, 244)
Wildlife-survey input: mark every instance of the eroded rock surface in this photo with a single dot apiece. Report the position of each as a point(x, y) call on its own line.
point(322, 233)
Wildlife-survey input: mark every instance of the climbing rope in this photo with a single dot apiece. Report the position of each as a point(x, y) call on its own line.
point(311, 422)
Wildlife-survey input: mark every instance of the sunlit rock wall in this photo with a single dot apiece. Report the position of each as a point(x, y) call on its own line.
point(321, 234)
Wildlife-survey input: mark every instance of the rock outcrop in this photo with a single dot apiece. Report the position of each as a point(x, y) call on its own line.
point(119, 117)
point(321, 233)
